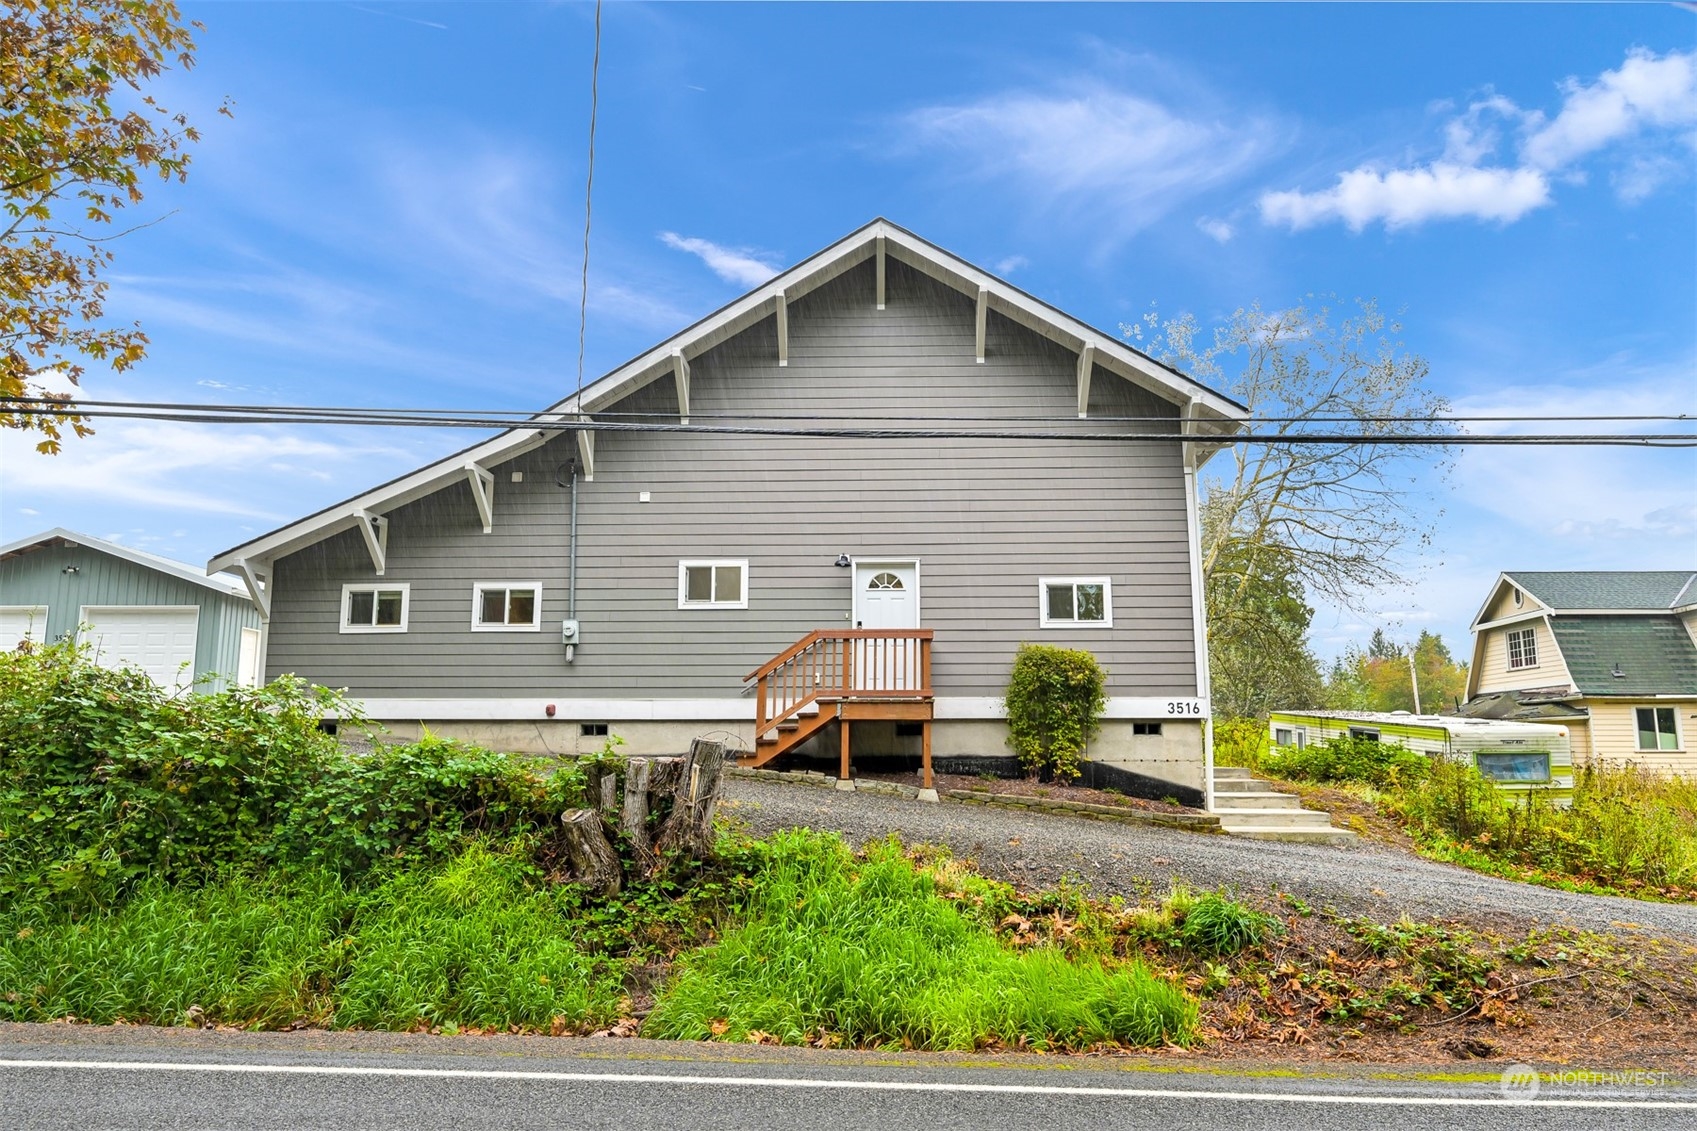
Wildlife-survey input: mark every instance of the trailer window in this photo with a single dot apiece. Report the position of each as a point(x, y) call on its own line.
point(1371, 734)
point(1516, 766)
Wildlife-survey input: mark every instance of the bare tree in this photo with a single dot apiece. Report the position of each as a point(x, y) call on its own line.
point(1283, 522)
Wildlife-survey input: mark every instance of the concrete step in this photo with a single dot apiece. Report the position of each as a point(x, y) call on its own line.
point(1244, 799)
point(1223, 773)
point(1242, 785)
point(1305, 834)
point(1274, 818)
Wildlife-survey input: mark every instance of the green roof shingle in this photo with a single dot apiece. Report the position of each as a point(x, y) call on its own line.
point(1655, 654)
point(1610, 589)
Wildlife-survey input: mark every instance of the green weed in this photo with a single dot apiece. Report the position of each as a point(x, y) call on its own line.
point(868, 953)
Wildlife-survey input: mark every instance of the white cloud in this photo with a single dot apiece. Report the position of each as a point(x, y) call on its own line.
point(734, 265)
point(181, 467)
point(1112, 158)
point(1404, 197)
point(1216, 230)
point(1011, 264)
point(1469, 182)
point(1647, 90)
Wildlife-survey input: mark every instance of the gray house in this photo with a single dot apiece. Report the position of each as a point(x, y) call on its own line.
point(825, 515)
point(131, 608)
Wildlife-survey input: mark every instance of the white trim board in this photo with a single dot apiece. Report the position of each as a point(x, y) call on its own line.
point(534, 709)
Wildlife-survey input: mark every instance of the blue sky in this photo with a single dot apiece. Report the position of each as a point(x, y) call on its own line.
point(393, 217)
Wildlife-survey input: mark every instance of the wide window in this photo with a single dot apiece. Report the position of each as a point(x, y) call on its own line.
point(713, 585)
point(1075, 602)
point(506, 605)
point(1523, 648)
point(1657, 729)
point(374, 608)
point(1370, 734)
point(1513, 766)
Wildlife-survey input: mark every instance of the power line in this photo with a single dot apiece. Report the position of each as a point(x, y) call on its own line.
point(238, 415)
point(518, 417)
point(589, 195)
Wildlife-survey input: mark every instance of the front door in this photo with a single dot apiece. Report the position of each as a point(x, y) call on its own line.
point(886, 595)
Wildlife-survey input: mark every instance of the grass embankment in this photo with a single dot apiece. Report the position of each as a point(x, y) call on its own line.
point(1626, 832)
point(217, 859)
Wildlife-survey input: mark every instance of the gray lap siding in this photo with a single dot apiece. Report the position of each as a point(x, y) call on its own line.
point(985, 517)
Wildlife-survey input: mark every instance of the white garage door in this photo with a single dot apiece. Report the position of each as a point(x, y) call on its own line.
point(22, 622)
point(158, 639)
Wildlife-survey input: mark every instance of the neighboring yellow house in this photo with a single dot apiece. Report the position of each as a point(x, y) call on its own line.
point(1611, 655)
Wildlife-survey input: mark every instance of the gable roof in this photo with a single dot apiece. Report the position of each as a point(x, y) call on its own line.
point(1221, 414)
point(59, 536)
point(1574, 590)
point(1655, 654)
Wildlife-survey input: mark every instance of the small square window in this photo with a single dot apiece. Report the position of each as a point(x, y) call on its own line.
point(592, 730)
point(713, 585)
point(506, 606)
point(1075, 602)
point(374, 608)
point(1282, 736)
point(1657, 728)
point(1145, 728)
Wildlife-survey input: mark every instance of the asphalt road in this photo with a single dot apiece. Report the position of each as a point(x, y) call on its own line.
point(209, 1082)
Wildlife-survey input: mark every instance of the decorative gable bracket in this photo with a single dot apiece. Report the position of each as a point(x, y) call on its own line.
point(258, 582)
point(483, 493)
point(680, 372)
point(374, 528)
point(586, 453)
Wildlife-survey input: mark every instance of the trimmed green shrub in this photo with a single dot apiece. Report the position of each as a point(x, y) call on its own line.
point(1054, 702)
point(1381, 764)
point(869, 954)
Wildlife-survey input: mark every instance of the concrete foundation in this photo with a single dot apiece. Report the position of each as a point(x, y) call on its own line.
point(1174, 755)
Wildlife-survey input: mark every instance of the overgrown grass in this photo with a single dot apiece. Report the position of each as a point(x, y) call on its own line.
point(1626, 829)
point(467, 944)
point(868, 953)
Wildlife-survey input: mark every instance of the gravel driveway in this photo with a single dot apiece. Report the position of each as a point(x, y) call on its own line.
point(1035, 851)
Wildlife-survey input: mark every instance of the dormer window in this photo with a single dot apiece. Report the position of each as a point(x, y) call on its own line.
point(1522, 649)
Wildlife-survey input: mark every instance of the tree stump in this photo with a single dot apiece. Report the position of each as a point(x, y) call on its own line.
point(634, 820)
point(688, 829)
point(594, 863)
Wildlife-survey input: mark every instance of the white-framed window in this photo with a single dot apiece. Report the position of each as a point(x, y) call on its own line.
point(1523, 648)
point(1658, 728)
point(506, 606)
point(1075, 602)
point(1291, 736)
point(1519, 598)
point(718, 584)
point(379, 607)
point(1371, 734)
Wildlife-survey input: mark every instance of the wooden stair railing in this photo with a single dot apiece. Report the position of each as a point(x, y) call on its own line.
point(840, 673)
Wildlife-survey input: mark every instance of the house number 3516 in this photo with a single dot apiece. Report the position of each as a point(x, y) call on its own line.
point(1184, 707)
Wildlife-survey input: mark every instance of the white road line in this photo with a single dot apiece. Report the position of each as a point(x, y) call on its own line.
point(809, 1082)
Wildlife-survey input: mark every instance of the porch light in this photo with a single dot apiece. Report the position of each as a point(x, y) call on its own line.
point(843, 561)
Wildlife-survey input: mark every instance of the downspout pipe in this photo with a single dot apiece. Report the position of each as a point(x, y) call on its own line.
point(570, 470)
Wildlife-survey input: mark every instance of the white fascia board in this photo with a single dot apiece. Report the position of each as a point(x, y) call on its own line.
point(1490, 598)
point(229, 587)
point(409, 488)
